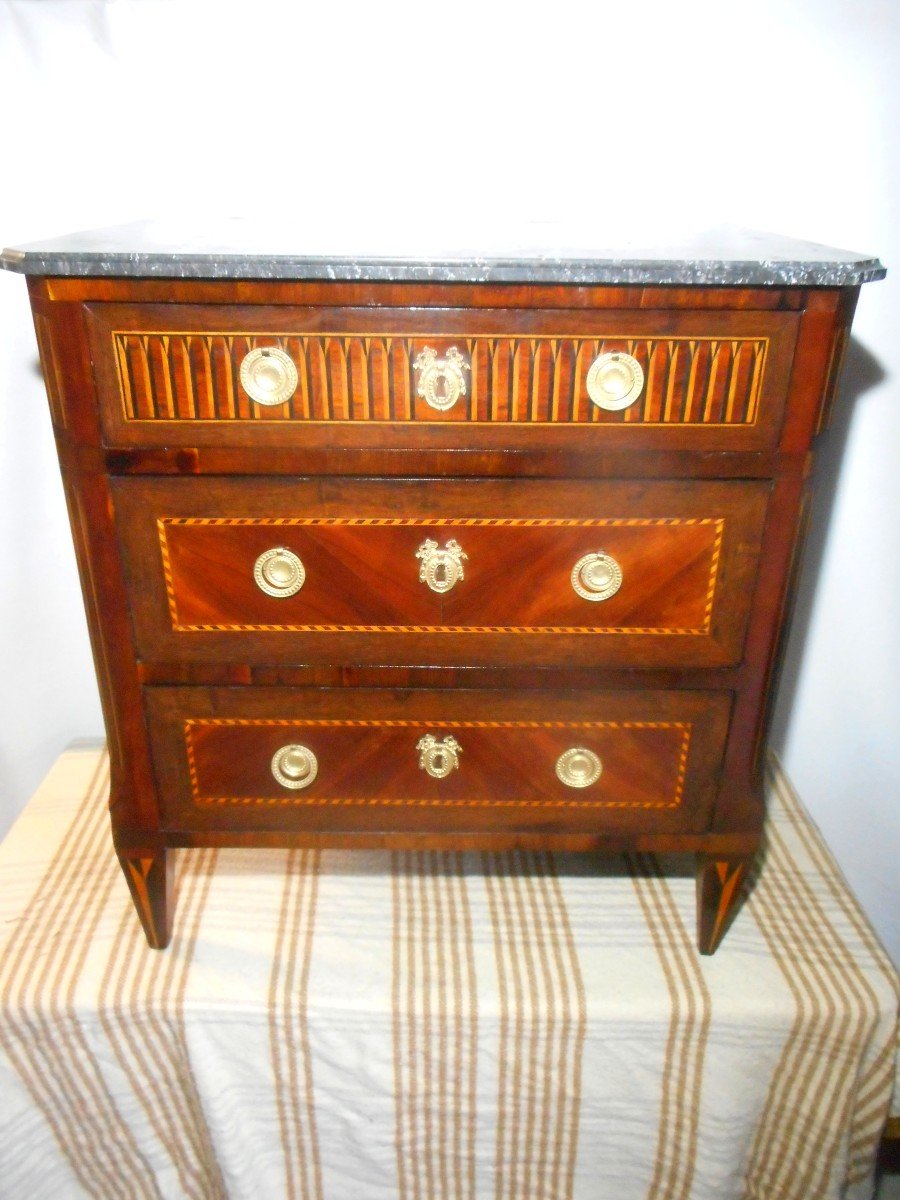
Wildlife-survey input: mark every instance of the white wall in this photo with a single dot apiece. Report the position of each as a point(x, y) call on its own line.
point(781, 115)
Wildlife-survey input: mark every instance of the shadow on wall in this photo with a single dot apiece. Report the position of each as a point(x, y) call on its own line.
point(861, 372)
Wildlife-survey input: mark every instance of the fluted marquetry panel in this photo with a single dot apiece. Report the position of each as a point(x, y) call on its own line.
point(370, 378)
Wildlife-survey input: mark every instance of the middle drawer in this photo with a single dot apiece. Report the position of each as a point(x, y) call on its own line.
point(531, 572)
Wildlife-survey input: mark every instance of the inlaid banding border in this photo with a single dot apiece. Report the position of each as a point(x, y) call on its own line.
point(163, 523)
point(536, 380)
point(302, 799)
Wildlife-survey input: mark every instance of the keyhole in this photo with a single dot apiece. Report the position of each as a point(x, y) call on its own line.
point(438, 761)
point(441, 390)
point(440, 573)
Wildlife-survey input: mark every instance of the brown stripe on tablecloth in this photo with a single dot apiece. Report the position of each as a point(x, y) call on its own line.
point(434, 1011)
point(425, 942)
point(471, 1037)
point(797, 1157)
point(397, 1024)
point(533, 1030)
point(445, 1110)
point(555, 1056)
point(181, 954)
point(766, 1141)
point(574, 1002)
point(511, 1024)
point(406, 1022)
point(117, 1019)
point(699, 999)
point(859, 999)
point(689, 1024)
point(825, 863)
point(282, 1092)
point(141, 1008)
point(292, 1134)
point(867, 1006)
point(93, 1135)
point(434, 1031)
point(170, 1033)
point(503, 1030)
point(875, 1082)
point(663, 1152)
point(542, 1017)
point(794, 1156)
point(91, 1100)
point(414, 984)
point(16, 1026)
point(454, 1096)
point(510, 958)
point(561, 972)
point(465, 1025)
point(449, 1035)
point(674, 1165)
point(815, 1074)
point(288, 1027)
point(524, 1083)
point(869, 1114)
point(313, 865)
point(565, 1018)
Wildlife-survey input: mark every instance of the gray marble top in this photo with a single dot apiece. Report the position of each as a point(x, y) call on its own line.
point(539, 252)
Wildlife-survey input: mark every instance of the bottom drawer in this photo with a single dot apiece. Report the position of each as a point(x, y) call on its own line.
point(347, 761)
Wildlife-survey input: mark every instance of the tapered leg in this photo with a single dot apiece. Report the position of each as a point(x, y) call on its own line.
point(719, 893)
point(150, 879)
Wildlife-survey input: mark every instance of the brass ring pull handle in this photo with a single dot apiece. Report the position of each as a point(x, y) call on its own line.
point(269, 376)
point(295, 766)
point(436, 758)
point(596, 576)
point(615, 380)
point(578, 767)
point(441, 380)
point(441, 569)
point(279, 572)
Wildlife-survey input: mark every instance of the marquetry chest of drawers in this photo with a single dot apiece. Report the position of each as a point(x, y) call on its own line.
point(438, 552)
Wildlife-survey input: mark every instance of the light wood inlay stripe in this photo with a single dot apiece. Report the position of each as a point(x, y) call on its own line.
point(392, 723)
point(490, 522)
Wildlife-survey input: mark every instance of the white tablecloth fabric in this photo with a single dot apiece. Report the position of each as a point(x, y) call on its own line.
point(431, 1026)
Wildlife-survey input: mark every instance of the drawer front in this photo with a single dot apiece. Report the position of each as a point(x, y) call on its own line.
point(480, 571)
point(365, 761)
point(173, 374)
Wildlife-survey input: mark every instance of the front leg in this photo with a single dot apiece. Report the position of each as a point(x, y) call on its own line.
point(720, 881)
point(149, 873)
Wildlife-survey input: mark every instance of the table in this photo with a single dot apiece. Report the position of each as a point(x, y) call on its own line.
point(419, 1025)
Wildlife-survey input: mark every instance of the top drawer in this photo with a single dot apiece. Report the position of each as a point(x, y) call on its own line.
point(171, 374)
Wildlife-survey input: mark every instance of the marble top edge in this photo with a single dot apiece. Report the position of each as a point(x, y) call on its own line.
point(539, 253)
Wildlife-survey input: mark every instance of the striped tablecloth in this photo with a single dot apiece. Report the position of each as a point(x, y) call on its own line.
point(413, 1026)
